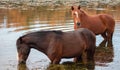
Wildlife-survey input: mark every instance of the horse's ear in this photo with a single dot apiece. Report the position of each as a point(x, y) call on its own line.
point(79, 7)
point(72, 8)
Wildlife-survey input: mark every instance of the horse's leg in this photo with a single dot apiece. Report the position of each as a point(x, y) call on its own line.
point(103, 43)
point(104, 35)
point(90, 63)
point(109, 38)
point(55, 59)
point(78, 59)
point(23, 52)
point(90, 53)
point(55, 51)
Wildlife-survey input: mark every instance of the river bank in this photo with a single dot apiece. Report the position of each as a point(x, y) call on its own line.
point(55, 3)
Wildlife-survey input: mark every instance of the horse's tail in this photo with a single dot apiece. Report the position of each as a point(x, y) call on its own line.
point(90, 38)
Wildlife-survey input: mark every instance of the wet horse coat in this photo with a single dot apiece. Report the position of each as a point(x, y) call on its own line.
point(99, 24)
point(57, 44)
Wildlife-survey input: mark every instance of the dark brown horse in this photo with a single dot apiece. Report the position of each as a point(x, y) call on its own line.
point(100, 24)
point(58, 44)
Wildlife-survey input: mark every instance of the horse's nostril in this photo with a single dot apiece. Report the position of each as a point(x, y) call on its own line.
point(78, 24)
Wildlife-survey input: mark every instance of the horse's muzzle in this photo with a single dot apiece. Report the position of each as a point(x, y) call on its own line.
point(78, 24)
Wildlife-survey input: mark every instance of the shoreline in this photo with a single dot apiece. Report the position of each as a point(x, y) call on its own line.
point(84, 3)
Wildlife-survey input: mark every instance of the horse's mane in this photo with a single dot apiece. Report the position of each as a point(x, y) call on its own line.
point(59, 32)
point(84, 12)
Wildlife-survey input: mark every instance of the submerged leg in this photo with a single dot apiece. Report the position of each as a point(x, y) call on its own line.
point(90, 53)
point(103, 43)
point(109, 38)
point(78, 59)
point(104, 35)
point(55, 59)
point(23, 52)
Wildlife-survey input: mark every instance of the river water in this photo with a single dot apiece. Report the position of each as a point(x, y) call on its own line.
point(16, 22)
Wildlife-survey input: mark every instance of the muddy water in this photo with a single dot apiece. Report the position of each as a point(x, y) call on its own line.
point(17, 22)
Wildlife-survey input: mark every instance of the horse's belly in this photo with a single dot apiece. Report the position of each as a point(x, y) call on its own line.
point(73, 50)
point(71, 54)
point(97, 27)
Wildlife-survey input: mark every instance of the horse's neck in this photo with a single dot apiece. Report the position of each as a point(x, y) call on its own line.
point(84, 17)
point(42, 48)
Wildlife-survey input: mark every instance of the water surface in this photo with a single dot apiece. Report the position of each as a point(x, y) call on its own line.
point(16, 22)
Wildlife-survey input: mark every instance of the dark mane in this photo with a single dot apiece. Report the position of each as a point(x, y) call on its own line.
point(58, 32)
point(53, 31)
point(44, 33)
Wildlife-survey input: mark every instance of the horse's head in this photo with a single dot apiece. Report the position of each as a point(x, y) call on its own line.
point(76, 13)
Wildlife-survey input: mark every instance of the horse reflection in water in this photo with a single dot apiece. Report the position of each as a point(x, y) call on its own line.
point(104, 53)
point(64, 66)
point(103, 24)
point(90, 65)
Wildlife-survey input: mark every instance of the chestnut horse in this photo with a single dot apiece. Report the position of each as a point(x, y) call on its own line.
point(100, 24)
point(57, 44)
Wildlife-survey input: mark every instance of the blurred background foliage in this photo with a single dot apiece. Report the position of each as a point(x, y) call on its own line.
point(84, 3)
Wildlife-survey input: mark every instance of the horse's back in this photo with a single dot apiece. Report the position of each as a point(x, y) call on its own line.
point(80, 33)
point(39, 38)
point(100, 23)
